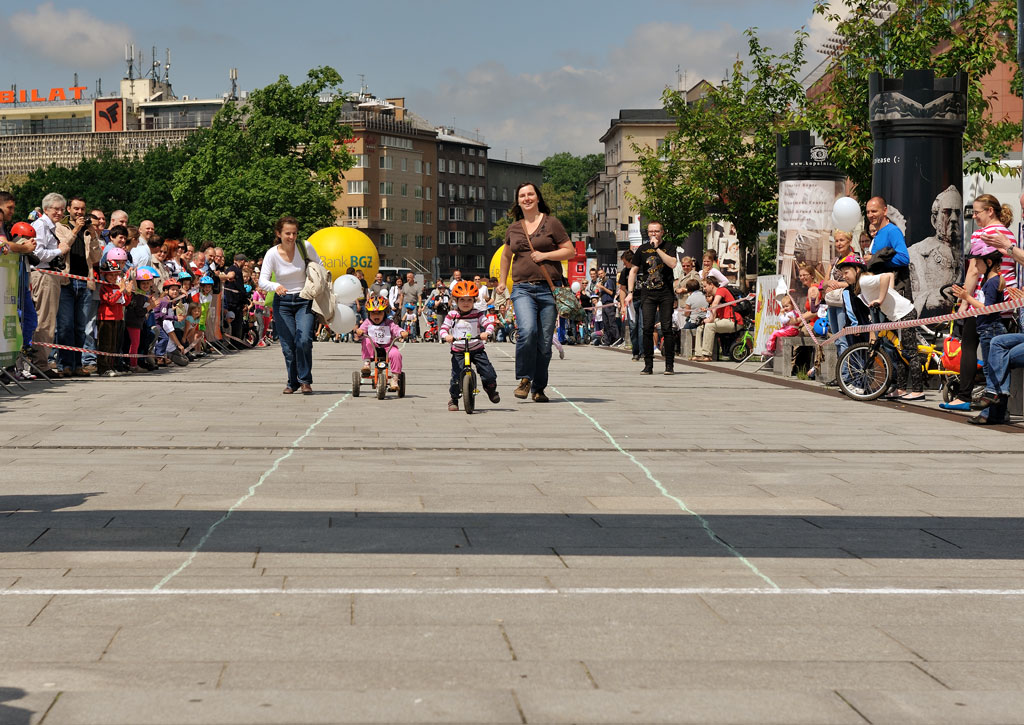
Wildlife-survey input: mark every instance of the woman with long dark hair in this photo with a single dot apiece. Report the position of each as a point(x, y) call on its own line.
point(294, 320)
point(535, 245)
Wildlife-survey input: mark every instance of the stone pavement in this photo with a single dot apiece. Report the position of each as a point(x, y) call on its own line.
point(194, 547)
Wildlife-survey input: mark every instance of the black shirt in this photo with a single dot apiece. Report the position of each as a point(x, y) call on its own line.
point(652, 274)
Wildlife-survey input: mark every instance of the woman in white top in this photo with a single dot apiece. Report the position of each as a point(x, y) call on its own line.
point(293, 316)
point(876, 292)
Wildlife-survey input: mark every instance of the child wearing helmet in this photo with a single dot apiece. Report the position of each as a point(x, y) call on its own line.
point(114, 295)
point(409, 319)
point(205, 300)
point(165, 317)
point(136, 312)
point(465, 318)
point(377, 330)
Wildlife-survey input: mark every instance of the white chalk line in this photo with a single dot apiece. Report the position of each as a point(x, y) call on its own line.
point(249, 494)
point(530, 592)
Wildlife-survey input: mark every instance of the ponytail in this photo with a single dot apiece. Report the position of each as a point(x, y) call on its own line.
point(1003, 213)
point(1006, 216)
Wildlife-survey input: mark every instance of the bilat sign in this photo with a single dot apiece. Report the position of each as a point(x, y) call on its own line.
point(74, 93)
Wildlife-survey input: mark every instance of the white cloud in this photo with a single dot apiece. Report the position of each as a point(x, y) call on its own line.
point(70, 36)
point(568, 108)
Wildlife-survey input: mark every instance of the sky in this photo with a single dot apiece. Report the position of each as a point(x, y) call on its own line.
point(534, 78)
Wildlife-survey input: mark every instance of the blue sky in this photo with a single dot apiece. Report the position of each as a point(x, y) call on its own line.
point(538, 76)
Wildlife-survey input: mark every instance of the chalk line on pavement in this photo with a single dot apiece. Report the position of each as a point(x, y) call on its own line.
point(249, 494)
point(527, 591)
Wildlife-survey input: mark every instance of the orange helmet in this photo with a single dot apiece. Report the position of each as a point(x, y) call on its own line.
point(465, 288)
point(376, 303)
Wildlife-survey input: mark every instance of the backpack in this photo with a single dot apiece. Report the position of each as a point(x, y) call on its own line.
point(744, 308)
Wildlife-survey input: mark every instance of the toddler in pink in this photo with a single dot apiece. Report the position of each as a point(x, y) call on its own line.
point(380, 331)
point(788, 319)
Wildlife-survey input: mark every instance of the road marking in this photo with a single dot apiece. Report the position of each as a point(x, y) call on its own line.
point(522, 592)
point(249, 494)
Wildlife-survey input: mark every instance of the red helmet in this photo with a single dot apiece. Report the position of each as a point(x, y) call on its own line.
point(23, 229)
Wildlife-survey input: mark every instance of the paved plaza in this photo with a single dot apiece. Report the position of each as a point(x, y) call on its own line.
point(193, 547)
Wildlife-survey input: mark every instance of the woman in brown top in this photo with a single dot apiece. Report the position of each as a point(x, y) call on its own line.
point(532, 298)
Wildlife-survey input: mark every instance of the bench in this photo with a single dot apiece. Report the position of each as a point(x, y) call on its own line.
point(786, 351)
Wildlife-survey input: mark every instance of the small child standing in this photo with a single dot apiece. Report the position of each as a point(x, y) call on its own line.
point(788, 319)
point(136, 313)
point(462, 320)
point(377, 330)
point(165, 317)
point(110, 316)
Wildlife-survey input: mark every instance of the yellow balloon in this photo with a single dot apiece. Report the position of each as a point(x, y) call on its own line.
point(343, 247)
point(496, 267)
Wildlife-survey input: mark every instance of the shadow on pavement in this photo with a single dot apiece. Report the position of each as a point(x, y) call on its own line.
point(670, 535)
point(13, 715)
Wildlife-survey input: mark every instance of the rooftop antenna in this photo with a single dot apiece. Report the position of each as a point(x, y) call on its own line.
point(362, 84)
point(76, 85)
point(233, 77)
point(99, 87)
point(167, 66)
point(155, 66)
point(14, 90)
point(130, 72)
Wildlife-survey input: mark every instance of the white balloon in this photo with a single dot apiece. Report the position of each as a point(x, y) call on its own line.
point(347, 288)
point(576, 288)
point(344, 318)
point(846, 213)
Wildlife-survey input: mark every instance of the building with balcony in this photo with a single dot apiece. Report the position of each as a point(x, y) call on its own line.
point(502, 179)
point(389, 193)
point(461, 203)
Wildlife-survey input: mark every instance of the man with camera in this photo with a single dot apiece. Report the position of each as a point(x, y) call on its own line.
point(51, 252)
point(78, 298)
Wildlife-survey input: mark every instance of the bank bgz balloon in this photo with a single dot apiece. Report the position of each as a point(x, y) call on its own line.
point(343, 247)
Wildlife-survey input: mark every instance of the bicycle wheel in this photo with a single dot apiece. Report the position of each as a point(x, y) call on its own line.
point(382, 385)
point(356, 380)
point(468, 391)
point(864, 373)
point(950, 388)
point(401, 385)
point(741, 348)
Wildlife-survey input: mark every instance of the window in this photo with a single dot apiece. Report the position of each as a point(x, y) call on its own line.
point(417, 166)
point(359, 187)
point(428, 217)
point(428, 168)
point(405, 215)
point(462, 191)
point(386, 162)
point(480, 264)
point(457, 214)
point(494, 193)
point(426, 191)
point(419, 216)
point(451, 190)
point(462, 167)
point(405, 165)
point(427, 242)
point(405, 240)
point(387, 188)
point(440, 213)
point(417, 192)
point(387, 214)
point(504, 193)
point(440, 166)
point(387, 239)
point(396, 142)
point(442, 237)
point(440, 190)
point(357, 212)
point(472, 169)
point(480, 193)
point(480, 170)
point(483, 152)
point(405, 190)
point(456, 237)
point(472, 193)
point(480, 215)
point(419, 241)
point(362, 161)
point(494, 216)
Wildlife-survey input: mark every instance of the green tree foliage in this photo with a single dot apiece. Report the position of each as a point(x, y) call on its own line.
point(916, 35)
point(142, 187)
point(281, 153)
point(568, 174)
point(720, 160)
point(500, 227)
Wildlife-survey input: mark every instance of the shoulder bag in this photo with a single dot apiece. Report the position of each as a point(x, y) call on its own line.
point(565, 301)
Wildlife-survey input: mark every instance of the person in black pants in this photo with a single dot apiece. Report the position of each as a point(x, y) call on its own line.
point(653, 262)
point(235, 299)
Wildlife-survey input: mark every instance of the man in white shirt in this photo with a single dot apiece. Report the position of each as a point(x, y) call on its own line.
point(46, 287)
point(456, 278)
point(141, 254)
point(482, 295)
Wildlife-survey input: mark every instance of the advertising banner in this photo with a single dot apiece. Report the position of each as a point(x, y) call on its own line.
point(805, 231)
point(766, 313)
point(10, 344)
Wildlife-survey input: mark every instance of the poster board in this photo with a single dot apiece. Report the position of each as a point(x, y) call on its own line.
point(805, 230)
point(10, 344)
point(766, 311)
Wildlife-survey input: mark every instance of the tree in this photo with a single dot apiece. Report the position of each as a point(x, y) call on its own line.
point(669, 194)
point(916, 35)
point(720, 160)
point(281, 153)
point(500, 228)
point(566, 173)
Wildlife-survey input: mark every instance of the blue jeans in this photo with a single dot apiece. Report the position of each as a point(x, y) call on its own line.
point(636, 340)
point(1005, 353)
point(294, 321)
point(72, 316)
point(986, 334)
point(535, 317)
point(26, 307)
point(484, 369)
point(89, 358)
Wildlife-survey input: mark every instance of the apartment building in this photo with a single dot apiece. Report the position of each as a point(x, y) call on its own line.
point(461, 203)
point(389, 193)
point(502, 179)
